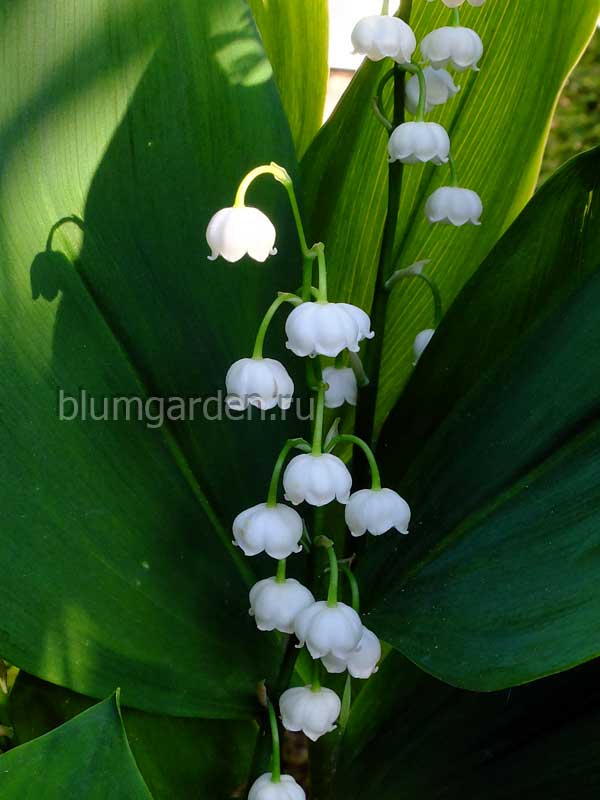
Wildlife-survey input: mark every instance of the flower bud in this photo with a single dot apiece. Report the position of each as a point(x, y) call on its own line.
point(421, 341)
point(418, 142)
point(313, 712)
point(286, 788)
point(318, 479)
point(326, 329)
point(460, 47)
point(260, 382)
point(440, 88)
point(233, 232)
point(275, 605)
point(328, 630)
point(376, 511)
point(275, 530)
point(379, 37)
point(341, 386)
point(454, 206)
point(362, 662)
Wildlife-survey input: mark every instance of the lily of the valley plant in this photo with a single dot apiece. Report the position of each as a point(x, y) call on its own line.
point(321, 328)
point(299, 418)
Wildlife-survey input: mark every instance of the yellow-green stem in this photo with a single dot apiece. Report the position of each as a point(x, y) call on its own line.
point(276, 765)
point(268, 318)
point(317, 442)
point(273, 486)
point(316, 676)
point(348, 437)
point(354, 590)
point(280, 576)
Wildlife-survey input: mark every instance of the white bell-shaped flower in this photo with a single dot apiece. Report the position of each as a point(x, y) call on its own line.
point(458, 47)
point(362, 662)
point(421, 341)
point(234, 232)
point(379, 37)
point(274, 530)
point(328, 630)
point(276, 605)
point(316, 479)
point(452, 205)
point(314, 712)
point(376, 511)
point(326, 329)
point(457, 3)
point(261, 382)
point(341, 386)
point(286, 788)
point(440, 88)
point(419, 142)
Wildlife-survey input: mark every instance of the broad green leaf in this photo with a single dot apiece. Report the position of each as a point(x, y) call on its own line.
point(178, 758)
point(118, 567)
point(495, 443)
point(295, 36)
point(498, 126)
point(88, 757)
point(410, 736)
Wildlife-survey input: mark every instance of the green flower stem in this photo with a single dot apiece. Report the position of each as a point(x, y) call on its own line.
point(316, 676)
point(415, 69)
point(63, 221)
point(420, 116)
point(365, 412)
point(332, 593)
point(287, 447)
point(317, 442)
point(307, 276)
point(345, 567)
point(279, 173)
point(280, 577)
point(276, 766)
point(282, 176)
point(348, 437)
point(378, 111)
point(410, 272)
point(456, 17)
point(322, 296)
point(263, 748)
point(453, 170)
point(385, 8)
point(346, 704)
point(362, 379)
point(282, 298)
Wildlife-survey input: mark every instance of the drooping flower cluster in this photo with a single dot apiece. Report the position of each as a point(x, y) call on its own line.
point(419, 142)
point(331, 630)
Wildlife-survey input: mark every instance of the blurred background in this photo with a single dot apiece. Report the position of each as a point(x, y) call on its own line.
point(576, 124)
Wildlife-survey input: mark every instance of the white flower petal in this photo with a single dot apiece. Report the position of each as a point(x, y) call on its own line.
point(379, 37)
point(261, 382)
point(341, 386)
point(376, 511)
point(419, 142)
point(326, 329)
point(459, 47)
point(440, 88)
point(318, 480)
point(275, 606)
point(325, 629)
point(286, 788)
point(275, 530)
point(234, 232)
point(313, 712)
point(452, 205)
